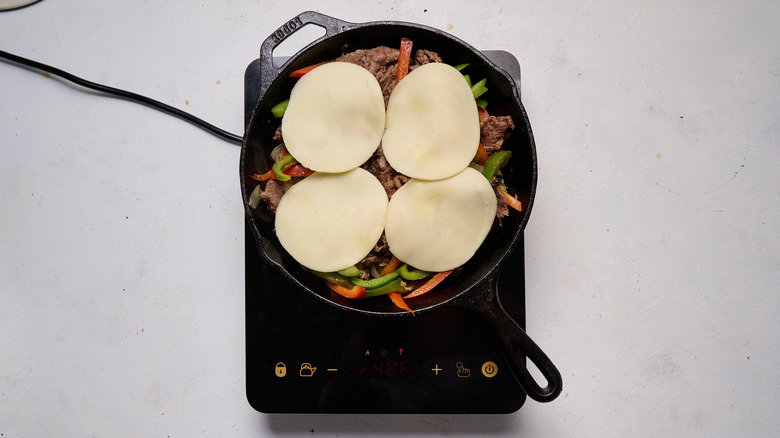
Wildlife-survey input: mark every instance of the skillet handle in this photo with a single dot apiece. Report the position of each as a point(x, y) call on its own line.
point(332, 26)
point(515, 343)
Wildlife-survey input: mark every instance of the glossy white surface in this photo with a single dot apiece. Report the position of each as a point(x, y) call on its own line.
point(653, 252)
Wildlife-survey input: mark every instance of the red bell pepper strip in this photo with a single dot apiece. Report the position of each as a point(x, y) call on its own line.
point(404, 57)
point(298, 170)
point(398, 300)
point(430, 284)
point(302, 71)
point(355, 292)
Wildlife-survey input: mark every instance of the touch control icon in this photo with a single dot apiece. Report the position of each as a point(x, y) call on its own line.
point(462, 370)
point(489, 369)
point(307, 370)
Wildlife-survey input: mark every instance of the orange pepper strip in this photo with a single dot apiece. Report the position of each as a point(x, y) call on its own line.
point(430, 284)
point(395, 262)
point(482, 155)
point(404, 57)
point(355, 292)
point(483, 114)
point(398, 300)
point(263, 177)
point(302, 71)
point(511, 200)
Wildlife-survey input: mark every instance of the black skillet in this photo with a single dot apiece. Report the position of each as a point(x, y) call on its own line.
point(476, 286)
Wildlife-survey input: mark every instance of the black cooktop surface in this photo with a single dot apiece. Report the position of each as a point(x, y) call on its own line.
point(305, 356)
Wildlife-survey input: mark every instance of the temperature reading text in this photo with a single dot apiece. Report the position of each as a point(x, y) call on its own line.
point(386, 368)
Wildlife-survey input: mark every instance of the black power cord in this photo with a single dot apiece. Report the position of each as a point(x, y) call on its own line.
point(124, 95)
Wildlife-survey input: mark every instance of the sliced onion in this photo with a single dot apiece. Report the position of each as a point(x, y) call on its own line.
point(254, 198)
point(278, 152)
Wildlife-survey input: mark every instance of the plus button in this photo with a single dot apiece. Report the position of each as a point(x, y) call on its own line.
point(436, 369)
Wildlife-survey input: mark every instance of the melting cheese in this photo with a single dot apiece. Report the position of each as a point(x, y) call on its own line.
point(432, 128)
point(335, 119)
point(331, 221)
point(439, 225)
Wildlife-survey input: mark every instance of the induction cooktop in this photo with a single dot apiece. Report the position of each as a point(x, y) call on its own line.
point(306, 356)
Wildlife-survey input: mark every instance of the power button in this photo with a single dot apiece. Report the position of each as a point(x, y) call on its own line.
point(489, 369)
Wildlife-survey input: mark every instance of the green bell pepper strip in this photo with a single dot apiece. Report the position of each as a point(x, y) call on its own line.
point(283, 163)
point(393, 286)
point(352, 271)
point(482, 103)
point(468, 79)
point(414, 274)
point(280, 108)
point(460, 67)
point(479, 88)
point(335, 278)
point(495, 163)
point(376, 282)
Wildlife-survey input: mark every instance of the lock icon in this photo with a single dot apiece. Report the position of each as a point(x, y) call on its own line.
point(281, 369)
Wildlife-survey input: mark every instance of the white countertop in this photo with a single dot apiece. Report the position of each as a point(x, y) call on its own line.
point(652, 254)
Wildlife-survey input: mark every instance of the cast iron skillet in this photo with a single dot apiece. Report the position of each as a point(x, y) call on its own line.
point(476, 286)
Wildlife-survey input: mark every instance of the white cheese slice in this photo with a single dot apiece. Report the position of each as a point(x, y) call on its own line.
point(439, 225)
point(335, 118)
point(432, 127)
point(330, 221)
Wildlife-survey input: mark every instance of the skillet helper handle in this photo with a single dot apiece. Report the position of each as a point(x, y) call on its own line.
point(332, 26)
point(517, 345)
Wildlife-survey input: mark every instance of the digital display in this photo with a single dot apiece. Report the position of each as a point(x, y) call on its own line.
point(386, 362)
point(386, 368)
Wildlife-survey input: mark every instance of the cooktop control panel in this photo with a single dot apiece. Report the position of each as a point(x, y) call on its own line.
point(304, 356)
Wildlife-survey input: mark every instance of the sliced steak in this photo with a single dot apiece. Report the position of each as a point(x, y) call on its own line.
point(379, 256)
point(502, 209)
point(272, 194)
point(278, 134)
point(382, 62)
point(494, 130)
point(391, 179)
point(373, 60)
point(422, 57)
